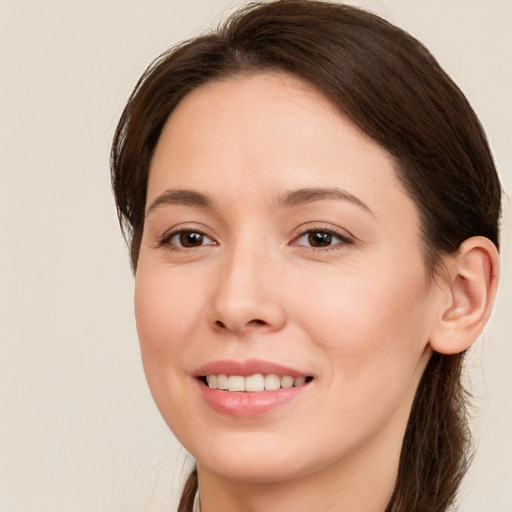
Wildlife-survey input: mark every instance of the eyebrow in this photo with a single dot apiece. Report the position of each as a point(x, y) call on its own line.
point(182, 198)
point(290, 199)
point(309, 195)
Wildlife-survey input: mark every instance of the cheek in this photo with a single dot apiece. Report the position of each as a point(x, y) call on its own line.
point(370, 325)
point(373, 336)
point(167, 311)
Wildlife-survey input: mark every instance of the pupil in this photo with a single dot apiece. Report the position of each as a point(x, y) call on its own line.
point(320, 238)
point(190, 239)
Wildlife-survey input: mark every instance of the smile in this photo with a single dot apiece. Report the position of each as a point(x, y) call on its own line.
point(250, 388)
point(253, 383)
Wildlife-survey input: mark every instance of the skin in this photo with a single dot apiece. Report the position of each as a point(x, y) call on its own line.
point(357, 314)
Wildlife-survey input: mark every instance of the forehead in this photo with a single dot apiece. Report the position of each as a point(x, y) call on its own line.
point(264, 134)
point(251, 104)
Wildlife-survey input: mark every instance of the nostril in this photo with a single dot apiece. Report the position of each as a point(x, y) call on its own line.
point(256, 321)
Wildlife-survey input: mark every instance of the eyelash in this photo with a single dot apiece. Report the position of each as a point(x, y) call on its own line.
point(342, 238)
point(166, 239)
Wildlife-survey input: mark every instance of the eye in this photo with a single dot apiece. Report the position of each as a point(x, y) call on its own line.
point(321, 238)
point(187, 239)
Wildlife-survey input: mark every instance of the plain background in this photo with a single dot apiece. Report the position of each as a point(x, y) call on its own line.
point(78, 429)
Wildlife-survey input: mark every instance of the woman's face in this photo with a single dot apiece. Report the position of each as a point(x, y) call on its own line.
point(278, 241)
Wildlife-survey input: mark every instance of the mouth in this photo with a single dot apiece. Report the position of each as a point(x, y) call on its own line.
point(255, 383)
point(251, 388)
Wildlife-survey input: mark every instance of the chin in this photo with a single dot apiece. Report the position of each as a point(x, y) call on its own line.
point(253, 459)
point(259, 470)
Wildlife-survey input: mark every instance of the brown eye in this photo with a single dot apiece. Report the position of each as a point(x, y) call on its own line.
point(189, 239)
point(319, 238)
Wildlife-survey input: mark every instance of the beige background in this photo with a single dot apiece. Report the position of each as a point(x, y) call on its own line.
point(78, 429)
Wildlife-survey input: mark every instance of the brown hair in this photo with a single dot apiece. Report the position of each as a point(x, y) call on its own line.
point(394, 90)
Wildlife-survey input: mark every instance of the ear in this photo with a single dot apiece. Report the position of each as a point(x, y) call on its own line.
point(469, 288)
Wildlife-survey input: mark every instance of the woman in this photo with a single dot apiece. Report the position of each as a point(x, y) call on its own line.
point(312, 210)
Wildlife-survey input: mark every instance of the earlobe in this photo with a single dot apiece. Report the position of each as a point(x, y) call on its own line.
point(472, 281)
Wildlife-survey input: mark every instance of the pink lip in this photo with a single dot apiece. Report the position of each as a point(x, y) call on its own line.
point(248, 404)
point(246, 368)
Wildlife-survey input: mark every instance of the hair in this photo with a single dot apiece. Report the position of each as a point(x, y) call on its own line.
point(390, 86)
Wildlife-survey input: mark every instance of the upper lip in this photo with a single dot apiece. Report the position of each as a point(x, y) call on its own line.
point(246, 368)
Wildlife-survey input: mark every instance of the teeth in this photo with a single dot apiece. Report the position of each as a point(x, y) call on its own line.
point(222, 382)
point(253, 383)
point(236, 383)
point(287, 381)
point(300, 381)
point(272, 382)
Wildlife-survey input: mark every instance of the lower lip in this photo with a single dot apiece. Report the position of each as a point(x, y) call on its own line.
point(236, 403)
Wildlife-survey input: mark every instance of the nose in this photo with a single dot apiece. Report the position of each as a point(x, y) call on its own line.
point(247, 297)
